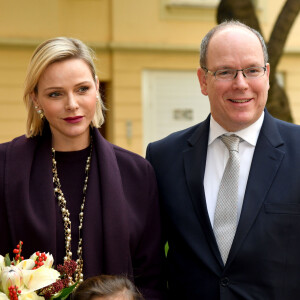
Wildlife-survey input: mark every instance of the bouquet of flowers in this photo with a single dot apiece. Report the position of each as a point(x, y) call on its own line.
point(34, 278)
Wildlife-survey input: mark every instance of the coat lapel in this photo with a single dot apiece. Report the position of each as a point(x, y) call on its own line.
point(31, 195)
point(194, 164)
point(115, 222)
point(28, 194)
point(265, 164)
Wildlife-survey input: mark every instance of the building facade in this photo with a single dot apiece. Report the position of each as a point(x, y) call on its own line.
point(147, 58)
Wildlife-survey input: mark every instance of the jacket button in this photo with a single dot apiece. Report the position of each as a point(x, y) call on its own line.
point(224, 281)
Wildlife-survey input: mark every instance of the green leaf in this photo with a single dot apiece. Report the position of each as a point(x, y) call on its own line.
point(7, 260)
point(65, 292)
point(166, 249)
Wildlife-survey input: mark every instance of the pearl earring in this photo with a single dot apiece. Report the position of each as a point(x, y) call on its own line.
point(40, 112)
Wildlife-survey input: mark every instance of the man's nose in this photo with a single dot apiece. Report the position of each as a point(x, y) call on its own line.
point(237, 73)
point(240, 80)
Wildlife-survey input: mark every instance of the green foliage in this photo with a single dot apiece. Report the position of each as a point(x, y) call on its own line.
point(166, 249)
point(7, 260)
point(64, 293)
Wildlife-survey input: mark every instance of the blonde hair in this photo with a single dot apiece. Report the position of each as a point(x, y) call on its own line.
point(47, 53)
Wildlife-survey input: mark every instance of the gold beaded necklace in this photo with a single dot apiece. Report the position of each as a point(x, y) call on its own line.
point(66, 215)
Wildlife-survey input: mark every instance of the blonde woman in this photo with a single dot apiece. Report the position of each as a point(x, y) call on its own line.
point(65, 190)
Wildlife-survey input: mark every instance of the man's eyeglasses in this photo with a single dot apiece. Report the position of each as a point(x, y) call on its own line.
point(230, 74)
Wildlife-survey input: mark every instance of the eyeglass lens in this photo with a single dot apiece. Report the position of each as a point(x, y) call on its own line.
point(230, 74)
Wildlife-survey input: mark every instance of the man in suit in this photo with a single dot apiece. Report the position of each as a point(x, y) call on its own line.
point(261, 228)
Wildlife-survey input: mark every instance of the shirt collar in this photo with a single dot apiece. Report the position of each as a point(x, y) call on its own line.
point(248, 134)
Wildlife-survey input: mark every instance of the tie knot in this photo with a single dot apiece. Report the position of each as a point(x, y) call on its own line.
point(231, 142)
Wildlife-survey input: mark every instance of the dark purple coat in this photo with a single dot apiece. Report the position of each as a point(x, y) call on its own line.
point(129, 241)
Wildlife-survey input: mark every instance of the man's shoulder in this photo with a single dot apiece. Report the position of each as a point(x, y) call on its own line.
point(280, 132)
point(170, 148)
point(177, 138)
point(285, 128)
point(286, 125)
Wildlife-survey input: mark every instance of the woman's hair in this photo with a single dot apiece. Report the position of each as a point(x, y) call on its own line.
point(107, 286)
point(47, 53)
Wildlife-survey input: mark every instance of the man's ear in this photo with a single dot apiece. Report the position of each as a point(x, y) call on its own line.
point(202, 80)
point(268, 72)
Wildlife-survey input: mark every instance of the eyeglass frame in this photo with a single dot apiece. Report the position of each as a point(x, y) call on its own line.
point(236, 72)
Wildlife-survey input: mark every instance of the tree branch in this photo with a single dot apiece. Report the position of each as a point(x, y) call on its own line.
point(281, 31)
point(243, 11)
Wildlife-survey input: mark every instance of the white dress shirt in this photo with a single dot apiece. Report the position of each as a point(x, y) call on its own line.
point(217, 156)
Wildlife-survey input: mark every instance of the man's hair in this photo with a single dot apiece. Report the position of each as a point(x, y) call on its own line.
point(223, 25)
point(106, 286)
point(51, 51)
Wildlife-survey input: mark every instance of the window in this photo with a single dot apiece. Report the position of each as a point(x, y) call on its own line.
point(202, 10)
point(195, 3)
point(172, 100)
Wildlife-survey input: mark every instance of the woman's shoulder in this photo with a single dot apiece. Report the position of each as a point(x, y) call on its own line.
point(5, 145)
point(123, 155)
point(128, 158)
point(18, 144)
point(5, 148)
point(127, 153)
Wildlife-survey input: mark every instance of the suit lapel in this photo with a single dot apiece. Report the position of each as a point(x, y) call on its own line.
point(266, 161)
point(194, 164)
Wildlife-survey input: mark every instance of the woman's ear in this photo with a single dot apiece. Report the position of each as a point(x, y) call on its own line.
point(34, 99)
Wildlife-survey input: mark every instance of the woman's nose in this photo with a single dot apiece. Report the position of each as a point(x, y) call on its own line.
point(71, 102)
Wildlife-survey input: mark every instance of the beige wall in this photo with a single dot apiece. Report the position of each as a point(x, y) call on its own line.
point(128, 36)
point(25, 24)
point(290, 66)
point(127, 74)
point(12, 71)
point(89, 20)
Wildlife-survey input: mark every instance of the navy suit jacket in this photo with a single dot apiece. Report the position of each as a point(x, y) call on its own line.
point(264, 261)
